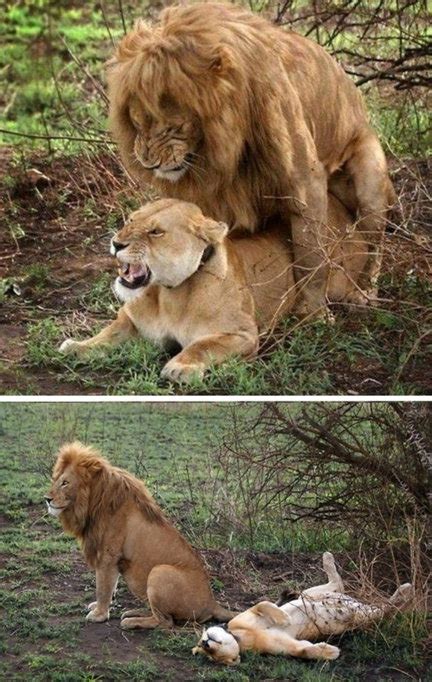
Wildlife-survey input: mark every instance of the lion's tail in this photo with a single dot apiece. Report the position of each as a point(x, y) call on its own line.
point(221, 614)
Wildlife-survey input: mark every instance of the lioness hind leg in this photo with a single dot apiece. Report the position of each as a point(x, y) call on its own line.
point(334, 584)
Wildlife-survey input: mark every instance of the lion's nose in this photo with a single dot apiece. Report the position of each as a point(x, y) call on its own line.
point(48, 500)
point(116, 247)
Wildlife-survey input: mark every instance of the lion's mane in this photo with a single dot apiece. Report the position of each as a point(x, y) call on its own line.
point(103, 489)
point(222, 62)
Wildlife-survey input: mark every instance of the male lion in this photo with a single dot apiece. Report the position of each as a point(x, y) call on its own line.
point(216, 106)
point(318, 612)
point(122, 530)
point(183, 280)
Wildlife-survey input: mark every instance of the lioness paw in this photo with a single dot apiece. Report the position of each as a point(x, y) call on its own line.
point(180, 372)
point(96, 616)
point(326, 651)
point(69, 346)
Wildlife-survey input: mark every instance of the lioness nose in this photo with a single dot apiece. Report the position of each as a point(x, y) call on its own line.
point(117, 246)
point(48, 500)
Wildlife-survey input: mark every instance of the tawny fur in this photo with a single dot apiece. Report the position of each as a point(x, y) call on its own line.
point(215, 309)
point(122, 530)
point(318, 612)
point(255, 119)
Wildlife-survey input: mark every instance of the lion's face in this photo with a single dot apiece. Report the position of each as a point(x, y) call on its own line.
point(219, 645)
point(63, 492)
point(162, 243)
point(166, 141)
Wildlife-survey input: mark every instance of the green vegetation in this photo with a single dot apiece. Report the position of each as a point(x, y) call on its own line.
point(46, 585)
point(300, 360)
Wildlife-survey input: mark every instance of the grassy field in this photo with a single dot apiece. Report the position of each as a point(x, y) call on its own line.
point(46, 585)
point(55, 272)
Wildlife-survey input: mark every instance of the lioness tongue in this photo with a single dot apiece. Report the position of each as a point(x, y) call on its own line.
point(137, 270)
point(130, 271)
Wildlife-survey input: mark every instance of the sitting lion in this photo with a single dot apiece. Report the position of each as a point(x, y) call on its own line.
point(318, 612)
point(122, 530)
point(184, 281)
point(216, 106)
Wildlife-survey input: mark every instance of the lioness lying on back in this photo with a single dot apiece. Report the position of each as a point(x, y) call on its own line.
point(316, 613)
point(183, 280)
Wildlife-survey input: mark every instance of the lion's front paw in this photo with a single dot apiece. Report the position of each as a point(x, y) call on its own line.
point(305, 311)
point(177, 371)
point(326, 651)
point(361, 298)
point(97, 616)
point(70, 347)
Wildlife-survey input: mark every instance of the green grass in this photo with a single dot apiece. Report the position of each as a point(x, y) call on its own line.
point(308, 360)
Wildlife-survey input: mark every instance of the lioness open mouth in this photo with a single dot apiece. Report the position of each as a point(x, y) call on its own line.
point(133, 276)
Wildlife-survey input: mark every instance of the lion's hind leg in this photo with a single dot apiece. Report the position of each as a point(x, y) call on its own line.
point(132, 613)
point(172, 593)
point(147, 622)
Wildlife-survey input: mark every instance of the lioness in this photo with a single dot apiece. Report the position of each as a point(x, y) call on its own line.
point(122, 530)
point(318, 612)
point(184, 280)
point(215, 105)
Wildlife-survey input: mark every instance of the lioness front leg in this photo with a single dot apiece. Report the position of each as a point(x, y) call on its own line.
point(106, 581)
point(198, 356)
point(116, 333)
point(273, 643)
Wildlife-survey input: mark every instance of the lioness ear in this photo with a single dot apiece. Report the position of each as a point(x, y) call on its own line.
point(210, 230)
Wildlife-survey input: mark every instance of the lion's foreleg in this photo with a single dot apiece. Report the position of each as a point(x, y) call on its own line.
point(106, 581)
point(116, 333)
point(309, 234)
point(213, 349)
point(368, 168)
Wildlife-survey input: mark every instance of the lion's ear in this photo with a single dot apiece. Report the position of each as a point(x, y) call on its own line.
point(210, 230)
point(222, 62)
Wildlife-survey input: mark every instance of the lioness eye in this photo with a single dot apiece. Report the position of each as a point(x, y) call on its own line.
point(64, 483)
point(156, 233)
